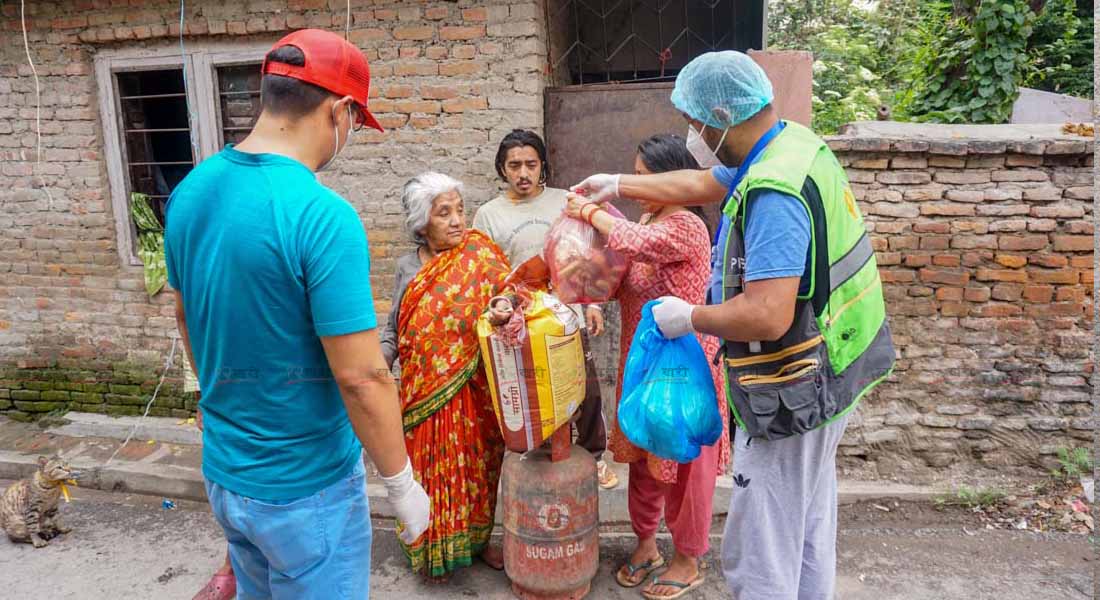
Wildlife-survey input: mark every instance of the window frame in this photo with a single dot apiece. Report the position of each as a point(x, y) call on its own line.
point(199, 64)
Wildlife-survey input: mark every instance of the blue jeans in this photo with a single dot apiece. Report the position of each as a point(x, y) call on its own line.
point(317, 547)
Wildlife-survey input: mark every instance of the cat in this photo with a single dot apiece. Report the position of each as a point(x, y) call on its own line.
point(28, 509)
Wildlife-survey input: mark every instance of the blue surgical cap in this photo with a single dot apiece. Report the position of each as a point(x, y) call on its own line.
point(722, 89)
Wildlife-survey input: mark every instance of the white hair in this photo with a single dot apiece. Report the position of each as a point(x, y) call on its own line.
point(417, 198)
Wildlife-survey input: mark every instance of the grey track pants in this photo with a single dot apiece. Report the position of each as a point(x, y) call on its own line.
point(780, 536)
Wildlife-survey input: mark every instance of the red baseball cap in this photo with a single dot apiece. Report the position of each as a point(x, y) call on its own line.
point(332, 63)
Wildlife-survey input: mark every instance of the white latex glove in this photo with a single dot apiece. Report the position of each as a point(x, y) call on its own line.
point(410, 503)
point(673, 317)
point(599, 188)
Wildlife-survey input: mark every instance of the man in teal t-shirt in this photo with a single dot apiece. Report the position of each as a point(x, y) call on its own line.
point(274, 305)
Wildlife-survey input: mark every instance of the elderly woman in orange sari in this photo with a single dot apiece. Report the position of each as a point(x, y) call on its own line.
point(451, 433)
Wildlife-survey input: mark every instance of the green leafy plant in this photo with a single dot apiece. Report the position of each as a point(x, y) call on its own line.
point(969, 497)
point(1060, 56)
point(972, 60)
point(1074, 463)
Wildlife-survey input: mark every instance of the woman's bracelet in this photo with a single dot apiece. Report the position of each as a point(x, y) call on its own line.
point(584, 216)
point(592, 214)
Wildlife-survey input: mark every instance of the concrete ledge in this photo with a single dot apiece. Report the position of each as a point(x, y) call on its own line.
point(150, 479)
point(160, 429)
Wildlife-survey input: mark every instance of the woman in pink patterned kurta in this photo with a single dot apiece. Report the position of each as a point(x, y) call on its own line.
point(669, 252)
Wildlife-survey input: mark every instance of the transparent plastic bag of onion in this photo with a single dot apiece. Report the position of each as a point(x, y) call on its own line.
point(582, 267)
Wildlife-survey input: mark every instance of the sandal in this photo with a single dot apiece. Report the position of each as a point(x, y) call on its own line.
point(647, 568)
point(683, 587)
point(222, 586)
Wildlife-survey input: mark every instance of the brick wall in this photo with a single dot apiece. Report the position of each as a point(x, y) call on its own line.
point(984, 245)
point(76, 329)
point(985, 250)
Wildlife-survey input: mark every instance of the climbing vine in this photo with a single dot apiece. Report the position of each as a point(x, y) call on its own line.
point(972, 62)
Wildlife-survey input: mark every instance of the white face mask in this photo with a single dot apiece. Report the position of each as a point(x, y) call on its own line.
point(699, 149)
point(336, 130)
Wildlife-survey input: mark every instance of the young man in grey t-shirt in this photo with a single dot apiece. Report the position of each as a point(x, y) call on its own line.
point(518, 221)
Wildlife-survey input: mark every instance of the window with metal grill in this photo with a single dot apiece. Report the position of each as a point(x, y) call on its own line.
point(238, 100)
point(156, 133)
point(164, 113)
point(602, 41)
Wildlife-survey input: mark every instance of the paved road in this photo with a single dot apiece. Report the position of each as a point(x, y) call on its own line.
point(128, 547)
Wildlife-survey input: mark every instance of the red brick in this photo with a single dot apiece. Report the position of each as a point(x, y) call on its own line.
point(954, 309)
point(1022, 242)
point(399, 91)
point(1023, 160)
point(464, 51)
point(949, 294)
point(1071, 294)
point(393, 121)
point(239, 27)
point(1060, 276)
point(934, 242)
point(462, 33)
point(489, 48)
point(1011, 261)
point(1038, 293)
point(416, 106)
point(962, 177)
point(1001, 275)
point(946, 209)
point(932, 227)
point(423, 32)
point(1057, 309)
point(1054, 261)
point(1080, 262)
point(918, 260)
point(970, 242)
point(1079, 228)
point(366, 35)
point(307, 4)
point(299, 22)
point(436, 13)
point(475, 14)
point(977, 294)
point(423, 122)
point(956, 278)
point(437, 92)
point(897, 275)
point(436, 52)
point(466, 67)
point(949, 162)
point(888, 259)
point(458, 105)
point(974, 259)
point(946, 260)
point(409, 52)
point(385, 14)
point(1007, 292)
point(997, 310)
point(406, 68)
point(1072, 243)
point(871, 163)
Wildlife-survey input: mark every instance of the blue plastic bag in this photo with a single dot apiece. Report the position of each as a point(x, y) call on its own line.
point(668, 407)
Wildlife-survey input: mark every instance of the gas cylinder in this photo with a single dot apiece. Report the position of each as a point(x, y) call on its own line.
point(551, 524)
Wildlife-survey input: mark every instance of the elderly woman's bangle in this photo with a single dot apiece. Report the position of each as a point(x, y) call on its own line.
point(592, 214)
point(584, 217)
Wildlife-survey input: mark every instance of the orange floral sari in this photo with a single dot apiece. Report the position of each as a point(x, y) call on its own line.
point(451, 433)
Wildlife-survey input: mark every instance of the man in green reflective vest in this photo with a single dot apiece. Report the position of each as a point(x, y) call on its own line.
point(796, 296)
